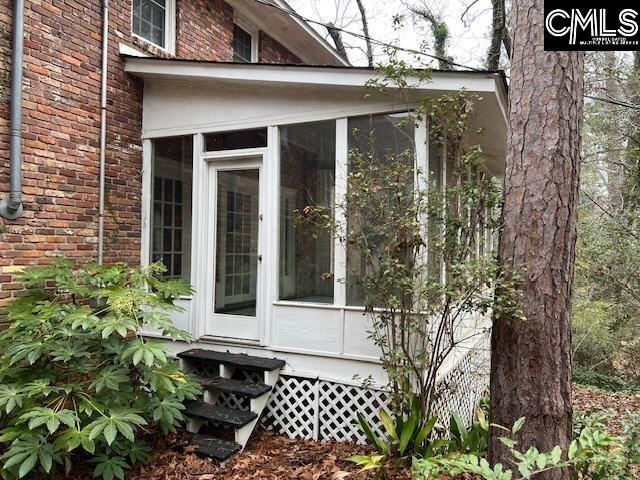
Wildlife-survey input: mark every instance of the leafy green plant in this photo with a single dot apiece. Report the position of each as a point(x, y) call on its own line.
point(408, 437)
point(405, 437)
point(631, 433)
point(404, 233)
point(474, 439)
point(78, 380)
point(593, 455)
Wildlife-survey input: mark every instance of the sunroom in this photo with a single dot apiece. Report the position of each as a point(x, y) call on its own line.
point(231, 153)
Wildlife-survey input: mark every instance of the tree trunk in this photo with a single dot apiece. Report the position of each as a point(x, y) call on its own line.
point(506, 41)
point(497, 34)
point(531, 359)
point(615, 172)
point(365, 30)
point(632, 176)
point(336, 36)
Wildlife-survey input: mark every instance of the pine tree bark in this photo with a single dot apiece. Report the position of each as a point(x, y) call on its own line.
point(531, 359)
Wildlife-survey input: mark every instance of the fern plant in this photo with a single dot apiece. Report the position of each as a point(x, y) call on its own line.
point(78, 381)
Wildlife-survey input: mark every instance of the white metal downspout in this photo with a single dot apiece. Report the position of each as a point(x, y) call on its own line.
point(11, 205)
point(103, 128)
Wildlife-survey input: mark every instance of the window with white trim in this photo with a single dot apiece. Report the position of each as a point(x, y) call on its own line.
point(245, 44)
point(153, 21)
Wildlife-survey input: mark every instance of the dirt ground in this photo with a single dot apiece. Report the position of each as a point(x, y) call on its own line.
point(275, 457)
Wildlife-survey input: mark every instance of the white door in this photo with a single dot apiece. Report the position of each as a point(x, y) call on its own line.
point(237, 217)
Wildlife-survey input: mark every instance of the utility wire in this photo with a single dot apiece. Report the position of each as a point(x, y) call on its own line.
point(613, 102)
point(366, 38)
point(295, 14)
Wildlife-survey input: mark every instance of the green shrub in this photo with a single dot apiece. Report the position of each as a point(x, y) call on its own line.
point(593, 455)
point(609, 382)
point(78, 380)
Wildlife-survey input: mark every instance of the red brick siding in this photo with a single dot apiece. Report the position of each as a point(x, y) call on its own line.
point(271, 51)
point(204, 30)
point(61, 124)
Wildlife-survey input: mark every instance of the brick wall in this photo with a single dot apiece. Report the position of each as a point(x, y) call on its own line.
point(61, 124)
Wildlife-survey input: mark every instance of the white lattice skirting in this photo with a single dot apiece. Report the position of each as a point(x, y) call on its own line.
point(319, 410)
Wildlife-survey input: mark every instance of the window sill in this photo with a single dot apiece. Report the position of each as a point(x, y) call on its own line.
point(326, 306)
point(149, 47)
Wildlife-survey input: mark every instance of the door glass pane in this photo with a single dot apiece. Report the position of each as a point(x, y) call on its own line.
point(237, 242)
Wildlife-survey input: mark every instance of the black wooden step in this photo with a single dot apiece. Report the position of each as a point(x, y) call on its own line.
point(243, 388)
point(216, 448)
point(229, 417)
point(242, 362)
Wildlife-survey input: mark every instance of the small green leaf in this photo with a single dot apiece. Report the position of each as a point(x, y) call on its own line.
point(388, 424)
point(517, 426)
point(28, 465)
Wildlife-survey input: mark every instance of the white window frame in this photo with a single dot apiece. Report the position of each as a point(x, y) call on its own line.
point(254, 32)
point(169, 28)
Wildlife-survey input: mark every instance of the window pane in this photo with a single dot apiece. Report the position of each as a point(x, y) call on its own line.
point(307, 178)
point(374, 138)
point(241, 45)
point(172, 190)
point(149, 20)
point(214, 142)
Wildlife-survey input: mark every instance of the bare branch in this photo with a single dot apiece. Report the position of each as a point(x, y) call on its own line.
point(466, 10)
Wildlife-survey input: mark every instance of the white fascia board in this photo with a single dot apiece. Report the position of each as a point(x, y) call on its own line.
point(292, 75)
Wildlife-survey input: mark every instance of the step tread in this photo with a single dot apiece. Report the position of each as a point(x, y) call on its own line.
point(221, 415)
point(241, 361)
point(244, 388)
point(216, 448)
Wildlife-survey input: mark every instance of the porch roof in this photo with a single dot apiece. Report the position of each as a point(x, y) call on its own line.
point(305, 74)
point(217, 95)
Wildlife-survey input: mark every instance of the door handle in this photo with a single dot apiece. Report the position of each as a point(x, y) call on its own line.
point(259, 257)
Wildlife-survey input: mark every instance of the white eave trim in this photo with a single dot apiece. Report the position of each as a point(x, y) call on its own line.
point(300, 75)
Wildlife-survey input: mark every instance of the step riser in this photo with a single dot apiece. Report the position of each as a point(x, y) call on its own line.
point(227, 365)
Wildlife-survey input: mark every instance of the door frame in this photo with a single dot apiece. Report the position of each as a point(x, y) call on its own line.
point(231, 327)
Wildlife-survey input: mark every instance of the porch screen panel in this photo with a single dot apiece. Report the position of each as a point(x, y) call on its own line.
point(307, 179)
point(172, 195)
point(374, 138)
point(434, 254)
